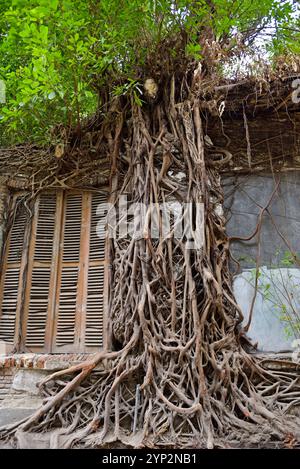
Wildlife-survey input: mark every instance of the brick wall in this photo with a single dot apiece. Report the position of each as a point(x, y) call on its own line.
point(6, 379)
point(19, 378)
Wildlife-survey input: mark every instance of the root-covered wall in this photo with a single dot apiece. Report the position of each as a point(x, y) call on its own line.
point(178, 371)
point(275, 322)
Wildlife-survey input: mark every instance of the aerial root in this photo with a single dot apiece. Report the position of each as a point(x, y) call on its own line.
point(181, 375)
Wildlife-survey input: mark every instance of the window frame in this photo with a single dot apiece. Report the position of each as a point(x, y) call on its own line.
point(28, 262)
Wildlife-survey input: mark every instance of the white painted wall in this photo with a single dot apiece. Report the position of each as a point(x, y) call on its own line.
point(277, 307)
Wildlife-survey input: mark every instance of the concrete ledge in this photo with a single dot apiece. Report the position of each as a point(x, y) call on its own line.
point(11, 415)
point(16, 407)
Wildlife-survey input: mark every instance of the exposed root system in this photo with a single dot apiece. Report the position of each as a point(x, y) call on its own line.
point(178, 372)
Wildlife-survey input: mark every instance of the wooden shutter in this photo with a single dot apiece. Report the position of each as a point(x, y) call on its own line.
point(97, 230)
point(38, 308)
point(9, 305)
point(95, 285)
point(62, 303)
point(17, 234)
point(11, 282)
point(41, 277)
point(65, 335)
point(68, 281)
point(94, 308)
point(79, 322)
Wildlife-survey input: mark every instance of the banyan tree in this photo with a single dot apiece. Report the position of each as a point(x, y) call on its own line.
point(173, 115)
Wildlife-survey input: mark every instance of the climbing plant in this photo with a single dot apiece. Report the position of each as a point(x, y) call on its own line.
point(178, 371)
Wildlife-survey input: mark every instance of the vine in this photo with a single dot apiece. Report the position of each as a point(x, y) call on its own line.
point(179, 372)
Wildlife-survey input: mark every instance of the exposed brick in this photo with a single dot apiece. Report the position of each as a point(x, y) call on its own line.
point(6, 380)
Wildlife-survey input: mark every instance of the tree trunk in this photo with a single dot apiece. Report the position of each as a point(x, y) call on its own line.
point(178, 372)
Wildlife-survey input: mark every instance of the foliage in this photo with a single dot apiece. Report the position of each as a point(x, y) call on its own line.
point(57, 56)
point(175, 370)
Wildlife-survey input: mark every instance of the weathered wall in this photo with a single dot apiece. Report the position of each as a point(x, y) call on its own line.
point(244, 197)
point(4, 194)
point(273, 316)
point(19, 395)
point(3, 200)
point(19, 376)
point(6, 380)
point(275, 323)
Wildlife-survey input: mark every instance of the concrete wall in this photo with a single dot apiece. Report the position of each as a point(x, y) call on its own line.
point(274, 321)
point(19, 376)
point(19, 395)
point(244, 197)
point(275, 324)
point(6, 380)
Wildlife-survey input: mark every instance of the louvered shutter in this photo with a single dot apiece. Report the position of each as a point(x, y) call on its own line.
point(67, 305)
point(79, 324)
point(61, 307)
point(9, 305)
point(11, 279)
point(97, 231)
point(95, 284)
point(41, 274)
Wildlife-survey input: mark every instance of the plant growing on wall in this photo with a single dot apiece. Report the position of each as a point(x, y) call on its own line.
point(178, 372)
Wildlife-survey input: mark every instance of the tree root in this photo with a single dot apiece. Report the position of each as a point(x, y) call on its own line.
point(182, 376)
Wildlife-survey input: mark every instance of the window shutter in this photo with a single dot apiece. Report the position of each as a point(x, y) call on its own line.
point(69, 266)
point(45, 228)
point(40, 272)
point(61, 308)
point(97, 231)
point(16, 242)
point(95, 283)
point(94, 308)
point(72, 231)
point(38, 307)
point(67, 307)
point(10, 287)
point(9, 305)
